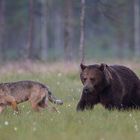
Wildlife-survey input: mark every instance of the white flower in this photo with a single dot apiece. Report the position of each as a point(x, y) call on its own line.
point(72, 90)
point(59, 74)
point(58, 83)
point(15, 113)
point(130, 115)
point(15, 128)
point(79, 90)
point(6, 123)
point(34, 129)
point(136, 127)
point(28, 112)
point(58, 112)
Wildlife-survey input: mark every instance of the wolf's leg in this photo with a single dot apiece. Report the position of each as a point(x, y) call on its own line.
point(12, 101)
point(2, 108)
point(14, 106)
point(35, 99)
point(53, 109)
point(44, 102)
point(35, 106)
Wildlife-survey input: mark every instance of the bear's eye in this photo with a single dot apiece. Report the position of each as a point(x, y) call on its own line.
point(84, 79)
point(92, 79)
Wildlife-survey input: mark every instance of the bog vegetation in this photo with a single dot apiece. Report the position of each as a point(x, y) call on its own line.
point(67, 124)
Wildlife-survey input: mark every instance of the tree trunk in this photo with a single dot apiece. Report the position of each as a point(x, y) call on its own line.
point(29, 51)
point(37, 29)
point(68, 30)
point(130, 32)
point(58, 31)
point(120, 32)
point(82, 34)
point(120, 41)
point(137, 28)
point(2, 28)
point(44, 36)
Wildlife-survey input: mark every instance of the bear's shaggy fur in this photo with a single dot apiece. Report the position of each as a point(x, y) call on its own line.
point(113, 86)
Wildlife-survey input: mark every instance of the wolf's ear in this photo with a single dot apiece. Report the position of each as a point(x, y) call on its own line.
point(82, 66)
point(107, 72)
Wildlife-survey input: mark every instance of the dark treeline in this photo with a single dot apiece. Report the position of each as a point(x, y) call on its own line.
point(50, 29)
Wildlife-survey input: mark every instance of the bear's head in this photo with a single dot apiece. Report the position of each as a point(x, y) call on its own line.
point(95, 77)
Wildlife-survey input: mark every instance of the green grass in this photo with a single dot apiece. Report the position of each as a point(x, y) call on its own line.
point(98, 124)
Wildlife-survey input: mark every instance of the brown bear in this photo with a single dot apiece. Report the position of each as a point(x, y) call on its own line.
point(113, 86)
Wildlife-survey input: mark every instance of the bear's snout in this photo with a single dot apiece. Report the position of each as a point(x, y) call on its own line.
point(88, 89)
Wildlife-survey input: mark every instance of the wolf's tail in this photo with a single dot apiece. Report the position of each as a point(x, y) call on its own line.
point(53, 99)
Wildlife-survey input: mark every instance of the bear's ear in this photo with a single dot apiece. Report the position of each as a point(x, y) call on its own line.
point(107, 72)
point(103, 66)
point(82, 66)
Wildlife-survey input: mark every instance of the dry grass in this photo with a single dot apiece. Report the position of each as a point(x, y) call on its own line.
point(70, 67)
